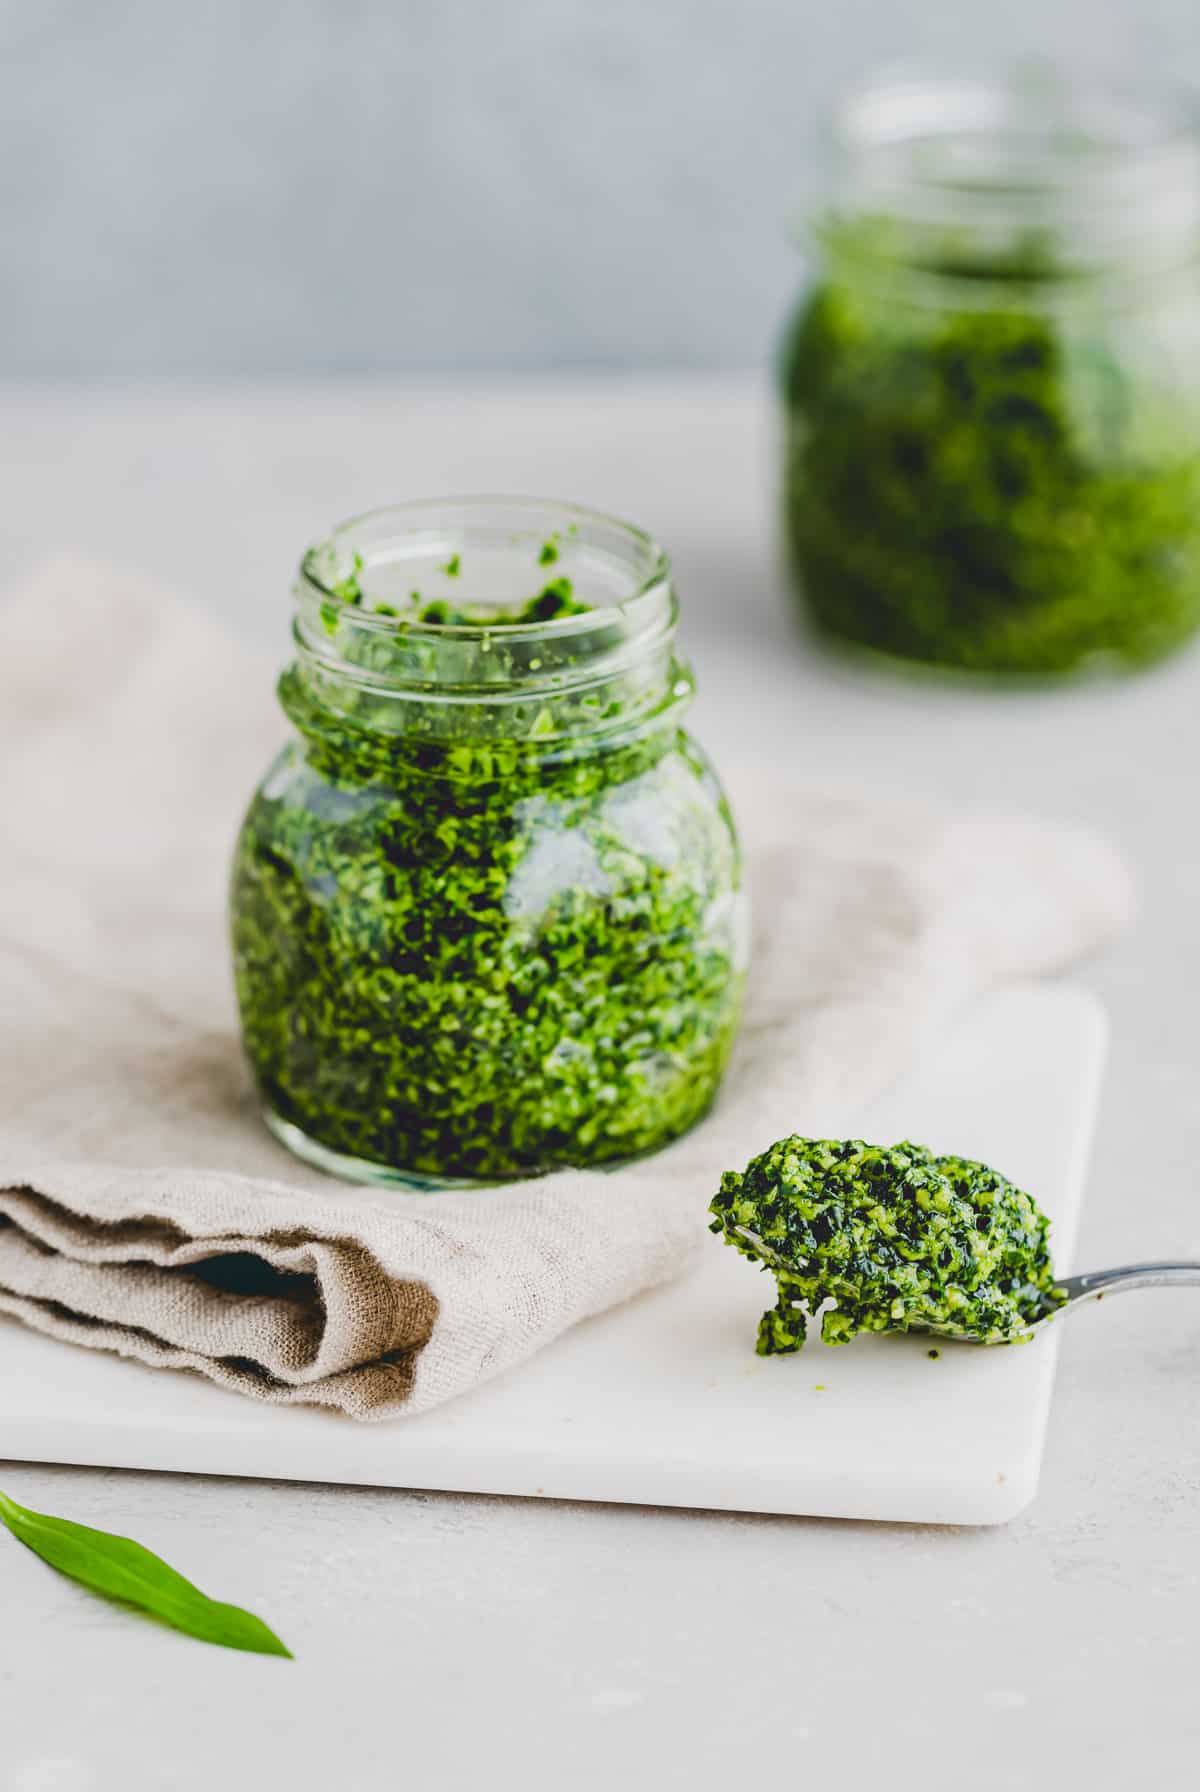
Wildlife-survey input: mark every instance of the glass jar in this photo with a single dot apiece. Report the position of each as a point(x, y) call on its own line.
point(487, 907)
point(992, 387)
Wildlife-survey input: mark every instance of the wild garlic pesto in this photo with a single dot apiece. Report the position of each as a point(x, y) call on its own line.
point(556, 598)
point(976, 489)
point(991, 390)
point(487, 906)
point(899, 1239)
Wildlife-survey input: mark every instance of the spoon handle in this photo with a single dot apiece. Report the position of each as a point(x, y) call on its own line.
point(1098, 1282)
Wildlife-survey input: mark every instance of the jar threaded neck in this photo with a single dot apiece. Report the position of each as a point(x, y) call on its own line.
point(1031, 173)
point(504, 619)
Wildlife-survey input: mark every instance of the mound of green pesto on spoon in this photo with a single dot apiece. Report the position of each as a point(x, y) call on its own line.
point(897, 1239)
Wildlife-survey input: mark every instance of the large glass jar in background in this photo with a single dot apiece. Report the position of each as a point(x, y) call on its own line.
point(993, 385)
point(487, 905)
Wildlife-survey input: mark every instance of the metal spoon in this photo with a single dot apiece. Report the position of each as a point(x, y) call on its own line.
point(1075, 1290)
point(1094, 1285)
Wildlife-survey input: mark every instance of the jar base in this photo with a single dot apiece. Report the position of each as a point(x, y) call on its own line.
point(411, 1182)
point(1099, 667)
point(361, 1169)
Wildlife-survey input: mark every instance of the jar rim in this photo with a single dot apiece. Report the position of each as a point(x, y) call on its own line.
point(450, 520)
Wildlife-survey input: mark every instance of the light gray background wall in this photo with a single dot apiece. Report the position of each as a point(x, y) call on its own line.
point(230, 186)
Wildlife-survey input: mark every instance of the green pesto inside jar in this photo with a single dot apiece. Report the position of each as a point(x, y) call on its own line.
point(487, 908)
point(992, 385)
point(892, 1237)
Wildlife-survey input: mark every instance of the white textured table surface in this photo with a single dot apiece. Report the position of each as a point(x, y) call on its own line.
point(451, 1642)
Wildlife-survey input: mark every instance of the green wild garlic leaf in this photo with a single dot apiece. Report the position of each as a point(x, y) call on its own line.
point(123, 1570)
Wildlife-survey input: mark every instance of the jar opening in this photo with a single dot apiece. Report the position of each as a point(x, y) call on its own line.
point(480, 563)
point(1029, 174)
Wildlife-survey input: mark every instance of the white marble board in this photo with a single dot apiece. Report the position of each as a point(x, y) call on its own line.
point(663, 1402)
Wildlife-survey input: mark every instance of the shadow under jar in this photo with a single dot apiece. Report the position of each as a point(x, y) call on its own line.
point(487, 908)
point(992, 387)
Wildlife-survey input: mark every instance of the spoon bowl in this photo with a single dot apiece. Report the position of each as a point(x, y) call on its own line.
point(1067, 1293)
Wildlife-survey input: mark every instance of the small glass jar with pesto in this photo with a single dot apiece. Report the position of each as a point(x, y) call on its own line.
point(487, 906)
point(992, 386)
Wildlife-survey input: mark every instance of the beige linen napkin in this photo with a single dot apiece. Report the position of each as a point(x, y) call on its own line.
point(144, 1208)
